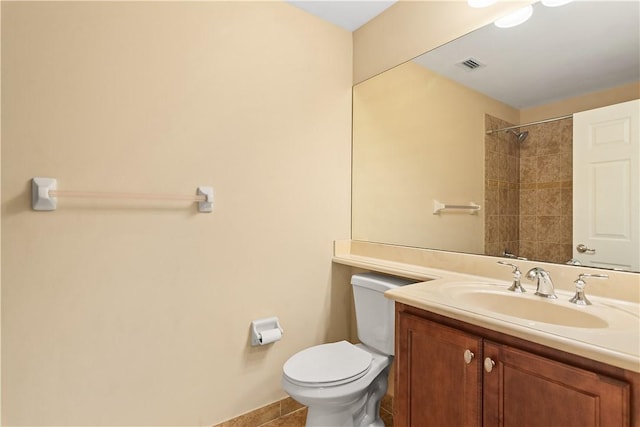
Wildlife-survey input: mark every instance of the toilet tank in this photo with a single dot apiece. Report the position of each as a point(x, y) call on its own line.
point(375, 314)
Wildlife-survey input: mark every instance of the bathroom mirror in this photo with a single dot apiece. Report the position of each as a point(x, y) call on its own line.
point(419, 132)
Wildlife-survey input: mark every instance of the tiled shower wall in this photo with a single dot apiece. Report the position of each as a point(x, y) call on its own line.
point(528, 191)
point(546, 192)
point(501, 181)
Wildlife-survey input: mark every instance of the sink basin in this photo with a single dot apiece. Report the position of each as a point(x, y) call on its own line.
point(492, 299)
point(533, 310)
point(606, 330)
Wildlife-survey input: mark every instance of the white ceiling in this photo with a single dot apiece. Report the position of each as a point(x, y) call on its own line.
point(560, 52)
point(348, 14)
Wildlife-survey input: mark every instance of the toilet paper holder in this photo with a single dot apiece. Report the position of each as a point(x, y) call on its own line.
point(270, 327)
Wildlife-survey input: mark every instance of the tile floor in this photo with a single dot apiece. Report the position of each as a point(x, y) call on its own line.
point(293, 419)
point(289, 413)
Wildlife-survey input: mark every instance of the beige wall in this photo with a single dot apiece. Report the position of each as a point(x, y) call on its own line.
point(132, 313)
point(416, 139)
point(0, 219)
point(410, 28)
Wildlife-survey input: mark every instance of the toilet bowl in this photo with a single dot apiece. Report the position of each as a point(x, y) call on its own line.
point(347, 396)
point(341, 383)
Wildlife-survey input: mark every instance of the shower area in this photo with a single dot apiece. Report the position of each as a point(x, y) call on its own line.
point(528, 190)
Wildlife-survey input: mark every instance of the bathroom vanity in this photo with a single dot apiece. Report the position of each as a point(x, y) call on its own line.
point(454, 373)
point(469, 352)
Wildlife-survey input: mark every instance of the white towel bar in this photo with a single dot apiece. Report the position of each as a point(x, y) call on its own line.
point(45, 193)
point(439, 206)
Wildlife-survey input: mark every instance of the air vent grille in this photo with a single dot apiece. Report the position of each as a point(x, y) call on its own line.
point(471, 64)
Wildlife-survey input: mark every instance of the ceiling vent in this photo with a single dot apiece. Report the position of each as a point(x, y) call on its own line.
point(471, 64)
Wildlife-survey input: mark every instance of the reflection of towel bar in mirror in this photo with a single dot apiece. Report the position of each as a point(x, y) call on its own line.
point(439, 206)
point(44, 194)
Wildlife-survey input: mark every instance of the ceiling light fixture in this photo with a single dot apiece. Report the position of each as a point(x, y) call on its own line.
point(515, 18)
point(554, 3)
point(480, 3)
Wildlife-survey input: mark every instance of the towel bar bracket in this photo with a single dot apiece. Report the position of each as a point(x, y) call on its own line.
point(40, 198)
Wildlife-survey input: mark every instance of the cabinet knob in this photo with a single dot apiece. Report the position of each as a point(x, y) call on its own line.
point(468, 356)
point(489, 364)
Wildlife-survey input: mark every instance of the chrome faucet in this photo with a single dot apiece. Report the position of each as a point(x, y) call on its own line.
point(544, 285)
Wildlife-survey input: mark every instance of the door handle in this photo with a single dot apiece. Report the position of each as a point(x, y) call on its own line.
point(583, 249)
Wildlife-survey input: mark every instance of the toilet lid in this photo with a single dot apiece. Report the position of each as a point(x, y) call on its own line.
point(340, 362)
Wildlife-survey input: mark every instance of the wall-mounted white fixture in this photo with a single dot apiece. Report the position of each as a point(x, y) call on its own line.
point(439, 207)
point(205, 205)
point(481, 3)
point(265, 331)
point(41, 198)
point(45, 193)
point(515, 18)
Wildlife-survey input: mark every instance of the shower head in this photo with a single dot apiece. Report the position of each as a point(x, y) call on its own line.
point(520, 135)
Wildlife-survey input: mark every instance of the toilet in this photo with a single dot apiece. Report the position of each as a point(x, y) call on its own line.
point(342, 383)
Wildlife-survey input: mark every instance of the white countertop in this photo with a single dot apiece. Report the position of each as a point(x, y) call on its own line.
point(617, 344)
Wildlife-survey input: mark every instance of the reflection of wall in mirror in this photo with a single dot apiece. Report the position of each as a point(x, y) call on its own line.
point(418, 137)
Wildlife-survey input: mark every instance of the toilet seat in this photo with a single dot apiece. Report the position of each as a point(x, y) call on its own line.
point(328, 365)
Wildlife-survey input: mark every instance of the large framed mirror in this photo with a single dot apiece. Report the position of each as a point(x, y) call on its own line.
point(487, 120)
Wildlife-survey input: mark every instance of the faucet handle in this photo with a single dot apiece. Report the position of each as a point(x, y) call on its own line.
point(517, 274)
point(580, 298)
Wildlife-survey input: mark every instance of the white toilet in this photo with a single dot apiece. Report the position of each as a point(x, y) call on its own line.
point(342, 383)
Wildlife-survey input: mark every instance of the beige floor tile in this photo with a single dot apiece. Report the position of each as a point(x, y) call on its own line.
point(294, 419)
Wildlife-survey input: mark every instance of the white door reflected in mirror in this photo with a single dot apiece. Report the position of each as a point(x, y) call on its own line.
point(606, 204)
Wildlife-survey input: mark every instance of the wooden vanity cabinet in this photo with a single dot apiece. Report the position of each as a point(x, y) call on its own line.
point(434, 386)
point(523, 384)
point(524, 389)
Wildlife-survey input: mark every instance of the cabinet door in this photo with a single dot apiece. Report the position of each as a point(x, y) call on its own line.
point(523, 390)
point(435, 385)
